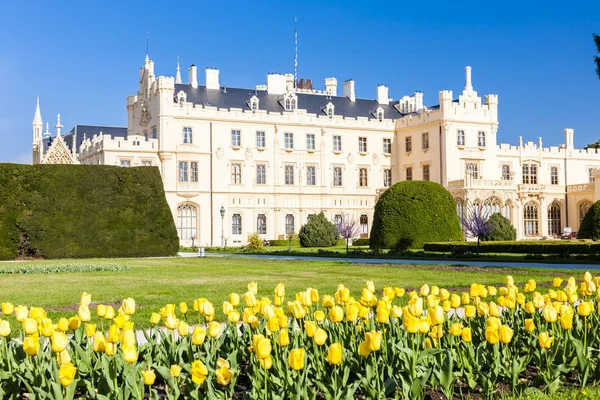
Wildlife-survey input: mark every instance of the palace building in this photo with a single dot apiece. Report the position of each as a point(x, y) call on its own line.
point(236, 161)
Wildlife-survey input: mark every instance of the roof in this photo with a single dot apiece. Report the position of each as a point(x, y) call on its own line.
point(89, 131)
point(228, 98)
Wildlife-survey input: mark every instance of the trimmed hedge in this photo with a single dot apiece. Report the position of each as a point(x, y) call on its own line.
point(411, 213)
point(549, 247)
point(360, 242)
point(84, 211)
point(590, 226)
point(57, 268)
point(284, 242)
point(318, 232)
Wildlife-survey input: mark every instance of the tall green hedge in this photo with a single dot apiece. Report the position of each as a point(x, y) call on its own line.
point(590, 226)
point(78, 211)
point(414, 212)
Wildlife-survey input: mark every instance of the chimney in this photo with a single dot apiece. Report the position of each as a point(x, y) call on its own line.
point(569, 133)
point(331, 86)
point(382, 95)
point(468, 85)
point(193, 76)
point(212, 78)
point(349, 90)
point(276, 83)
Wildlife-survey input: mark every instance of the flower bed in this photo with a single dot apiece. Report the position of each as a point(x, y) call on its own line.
point(56, 268)
point(376, 344)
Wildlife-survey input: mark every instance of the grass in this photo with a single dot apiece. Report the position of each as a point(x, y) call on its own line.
point(154, 282)
point(569, 394)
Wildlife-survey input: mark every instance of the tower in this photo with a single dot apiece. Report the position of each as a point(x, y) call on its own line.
point(178, 74)
point(37, 134)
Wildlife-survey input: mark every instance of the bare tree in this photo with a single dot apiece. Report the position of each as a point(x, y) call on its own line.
point(348, 229)
point(475, 223)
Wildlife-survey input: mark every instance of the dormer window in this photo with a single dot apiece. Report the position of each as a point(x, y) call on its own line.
point(181, 98)
point(254, 103)
point(380, 114)
point(290, 102)
point(329, 110)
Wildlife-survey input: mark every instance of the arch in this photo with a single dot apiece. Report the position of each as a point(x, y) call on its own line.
point(492, 205)
point(507, 211)
point(531, 219)
point(289, 223)
point(554, 223)
point(476, 205)
point(261, 224)
point(236, 224)
point(583, 207)
point(187, 221)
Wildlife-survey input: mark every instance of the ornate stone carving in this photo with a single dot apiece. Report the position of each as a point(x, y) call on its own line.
point(375, 159)
point(145, 114)
point(350, 159)
point(220, 153)
point(58, 153)
point(248, 154)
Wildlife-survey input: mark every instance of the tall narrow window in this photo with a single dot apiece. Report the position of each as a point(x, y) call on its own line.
point(338, 221)
point(337, 143)
point(289, 174)
point(186, 221)
point(505, 172)
point(310, 141)
point(364, 225)
point(311, 175)
point(330, 111)
point(187, 135)
point(530, 218)
point(289, 223)
point(363, 177)
point(261, 175)
point(460, 138)
point(337, 176)
point(473, 170)
point(554, 227)
point(591, 175)
point(236, 138)
point(409, 176)
point(183, 171)
point(507, 210)
point(425, 172)
point(387, 177)
point(236, 224)
point(379, 114)
point(288, 140)
point(194, 171)
point(425, 140)
point(387, 146)
point(260, 139)
point(236, 173)
point(408, 144)
point(362, 144)
point(530, 174)
point(554, 175)
point(261, 224)
point(460, 208)
point(584, 207)
point(481, 139)
point(154, 135)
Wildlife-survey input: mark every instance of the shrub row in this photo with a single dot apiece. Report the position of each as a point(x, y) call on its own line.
point(54, 268)
point(360, 242)
point(522, 247)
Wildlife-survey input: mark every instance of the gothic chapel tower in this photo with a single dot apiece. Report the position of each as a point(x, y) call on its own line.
point(38, 149)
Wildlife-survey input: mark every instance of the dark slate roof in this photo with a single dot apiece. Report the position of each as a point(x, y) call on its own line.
point(89, 131)
point(228, 98)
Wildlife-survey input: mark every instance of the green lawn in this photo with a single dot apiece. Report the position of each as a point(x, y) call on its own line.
point(154, 282)
point(569, 394)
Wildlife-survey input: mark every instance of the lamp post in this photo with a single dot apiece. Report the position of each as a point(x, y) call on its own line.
point(222, 227)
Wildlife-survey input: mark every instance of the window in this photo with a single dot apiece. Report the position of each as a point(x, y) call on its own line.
point(364, 225)
point(146, 163)
point(362, 177)
point(554, 176)
point(491, 206)
point(290, 103)
point(289, 174)
point(288, 140)
point(507, 210)
point(460, 138)
point(289, 223)
point(387, 177)
point(145, 136)
point(261, 224)
point(408, 143)
point(337, 143)
point(409, 174)
point(338, 221)
point(380, 114)
point(236, 173)
point(186, 221)
point(584, 207)
point(425, 172)
point(530, 174)
point(154, 135)
point(125, 163)
point(194, 171)
point(481, 139)
point(261, 177)
point(309, 217)
point(425, 140)
point(254, 103)
point(311, 175)
point(530, 217)
point(473, 170)
point(183, 171)
point(236, 224)
point(330, 111)
point(387, 146)
point(460, 208)
point(554, 227)
point(362, 144)
point(260, 139)
point(310, 141)
point(337, 176)
point(591, 175)
point(505, 172)
point(236, 138)
point(187, 135)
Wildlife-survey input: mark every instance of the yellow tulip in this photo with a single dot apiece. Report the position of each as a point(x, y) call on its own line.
point(319, 315)
point(66, 374)
point(483, 309)
point(170, 321)
point(7, 308)
point(320, 337)
point(556, 282)
point(389, 292)
point(545, 340)
point(469, 311)
point(114, 334)
point(342, 295)
point(266, 363)
point(412, 324)
point(399, 292)
point(494, 311)
point(283, 338)
point(263, 348)
point(183, 329)
point(110, 313)
point(396, 312)
point(234, 299)
point(585, 308)
point(566, 321)
point(90, 330)
point(128, 338)
point(424, 290)
point(175, 370)
point(99, 342)
point(224, 376)
point(352, 310)
point(505, 333)
point(509, 281)
point(128, 306)
point(31, 345)
point(101, 310)
point(273, 325)
point(455, 329)
point(478, 290)
point(296, 359)
point(21, 313)
point(208, 309)
point(520, 298)
point(129, 353)
point(550, 314)
point(199, 372)
point(415, 307)
point(383, 316)
point(529, 307)
point(214, 329)
point(59, 342)
point(249, 299)
point(183, 307)
point(149, 377)
point(298, 310)
point(110, 349)
point(327, 301)
point(492, 291)
point(46, 328)
point(4, 328)
point(424, 324)
point(374, 340)
point(529, 325)
point(155, 318)
point(454, 300)
point(530, 286)
point(466, 335)
point(364, 349)
point(30, 326)
point(234, 316)
point(465, 298)
point(310, 327)
point(198, 335)
point(84, 313)
point(227, 307)
point(334, 354)
point(37, 313)
point(491, 335)
point(436, 315)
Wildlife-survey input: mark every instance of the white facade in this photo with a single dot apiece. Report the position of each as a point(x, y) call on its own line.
point(272, 156)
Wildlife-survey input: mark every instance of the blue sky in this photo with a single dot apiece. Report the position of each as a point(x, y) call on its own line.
point(82, 58)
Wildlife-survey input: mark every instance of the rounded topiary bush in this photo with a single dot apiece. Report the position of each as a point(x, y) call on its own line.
point(500, 228)
point(414, 212)
point(590, 226)
point(318, 232)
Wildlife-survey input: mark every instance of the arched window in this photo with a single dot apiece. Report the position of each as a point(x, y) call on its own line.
point(261, 224)
point(337, 221)
point(329, 109)
point(491, 206)
point(288, 104)
point(236, 224)
point(477, 205)
point(460, 208)
point(293, 104)
point(187, 219)
point(380, 114)
point(364, 226)
point(507, 210)
point(289, 223)
point(530, 218)
point(554, 227)
point(254, 103)
point(584, 207)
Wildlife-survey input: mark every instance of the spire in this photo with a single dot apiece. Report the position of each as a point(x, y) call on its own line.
point(37, 118)
point(58, 126)
point(178, 74)
point(47, 133)
point(147, 60)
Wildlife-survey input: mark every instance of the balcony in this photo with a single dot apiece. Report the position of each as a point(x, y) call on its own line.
point(469, 183)
point(582, 187)
point(531, 188)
